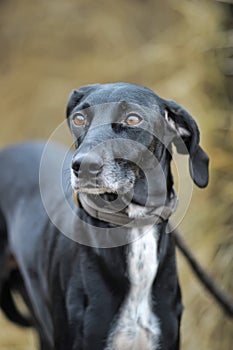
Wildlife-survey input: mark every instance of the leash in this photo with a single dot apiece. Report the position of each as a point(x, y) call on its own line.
point(219, 295)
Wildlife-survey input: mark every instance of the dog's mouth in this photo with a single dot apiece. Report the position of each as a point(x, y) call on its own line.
point(107, 191)
point(94, 190)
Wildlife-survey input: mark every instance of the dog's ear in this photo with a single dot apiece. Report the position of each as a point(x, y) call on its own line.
point(77, 96)
point(186, 140)
point(74, 98)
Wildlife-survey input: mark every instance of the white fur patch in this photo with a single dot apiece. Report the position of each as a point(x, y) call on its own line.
point(178, 129)
point(137, 327)
point(135, 211)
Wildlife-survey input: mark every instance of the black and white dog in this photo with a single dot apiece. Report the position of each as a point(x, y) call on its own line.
point(101, 274)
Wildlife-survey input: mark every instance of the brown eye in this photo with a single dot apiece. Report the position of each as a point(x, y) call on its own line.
point(79, 120)
point(133, 119)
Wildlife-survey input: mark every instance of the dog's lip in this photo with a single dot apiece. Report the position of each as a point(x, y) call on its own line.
point(93, 190)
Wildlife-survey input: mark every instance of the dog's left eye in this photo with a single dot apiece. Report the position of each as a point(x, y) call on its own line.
point(79, 119)
point(133, 119)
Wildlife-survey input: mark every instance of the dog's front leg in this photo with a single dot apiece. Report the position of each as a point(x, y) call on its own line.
point(167, 297)
point(68, 312)
point(105, 286)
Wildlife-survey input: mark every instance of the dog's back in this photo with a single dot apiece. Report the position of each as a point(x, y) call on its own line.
point(23, 222)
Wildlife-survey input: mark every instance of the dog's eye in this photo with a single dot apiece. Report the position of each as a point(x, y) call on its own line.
point(79, 119)
point(133, 119)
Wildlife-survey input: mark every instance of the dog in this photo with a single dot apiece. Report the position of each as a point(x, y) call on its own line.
point(94, 261)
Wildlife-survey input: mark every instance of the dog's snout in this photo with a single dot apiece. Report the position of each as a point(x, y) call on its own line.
point(90, 164)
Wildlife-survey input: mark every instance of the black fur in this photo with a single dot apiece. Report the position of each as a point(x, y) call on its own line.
point(74, 292)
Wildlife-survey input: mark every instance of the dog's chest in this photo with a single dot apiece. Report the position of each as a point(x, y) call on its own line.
point(136, 327)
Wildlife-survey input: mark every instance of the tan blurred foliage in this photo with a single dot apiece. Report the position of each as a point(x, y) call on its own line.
point(180, 49)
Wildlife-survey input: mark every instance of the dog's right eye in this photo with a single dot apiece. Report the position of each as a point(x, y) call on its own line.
point(133, 119)
point(79, 119)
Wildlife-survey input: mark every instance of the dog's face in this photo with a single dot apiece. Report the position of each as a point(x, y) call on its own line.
point(123, 133)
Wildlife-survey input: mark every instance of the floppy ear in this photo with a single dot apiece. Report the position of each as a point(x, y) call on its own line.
point(77, 96)
point(186, 140)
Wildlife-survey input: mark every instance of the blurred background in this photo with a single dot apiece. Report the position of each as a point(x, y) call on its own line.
point(183, 50)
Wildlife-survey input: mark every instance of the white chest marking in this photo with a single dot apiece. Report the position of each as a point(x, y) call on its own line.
point(136, 327)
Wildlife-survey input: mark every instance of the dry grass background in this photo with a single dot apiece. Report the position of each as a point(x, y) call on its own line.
point(50, 47)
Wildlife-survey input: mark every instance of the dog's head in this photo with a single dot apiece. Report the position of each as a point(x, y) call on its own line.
point(123, 133)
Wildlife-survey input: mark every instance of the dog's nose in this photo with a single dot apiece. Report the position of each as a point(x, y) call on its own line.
point(84, 166)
